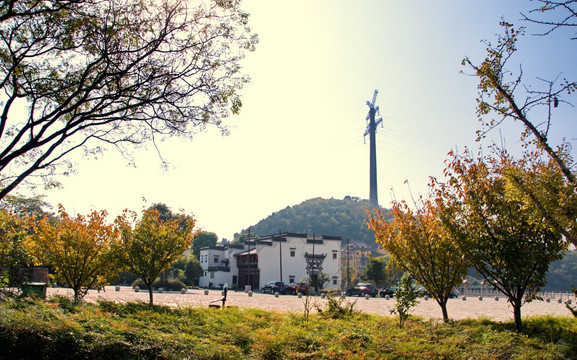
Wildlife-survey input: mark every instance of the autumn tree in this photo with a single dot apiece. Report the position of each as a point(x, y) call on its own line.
point(150, 245)
point(85, 75)
point(418, 241)
point(14, 254)
point(553, 15)
point(508, 242)
point(540, 184)
point(504, 95)
point(80, 250)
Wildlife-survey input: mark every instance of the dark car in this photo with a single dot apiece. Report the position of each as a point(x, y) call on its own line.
point(294, 288)
point(454, 294)
point(273, 287)
point(362, 290)
point(387, 291)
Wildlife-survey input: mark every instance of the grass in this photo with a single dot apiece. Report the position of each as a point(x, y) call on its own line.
point(61, 329)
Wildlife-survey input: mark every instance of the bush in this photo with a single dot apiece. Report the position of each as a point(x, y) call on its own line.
point(338, 307)
point(168, 284)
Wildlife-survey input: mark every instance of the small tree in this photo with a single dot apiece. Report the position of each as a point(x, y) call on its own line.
point(321, 280)
point(508, 242)
point(152, 245)
point(419, 243)
point(80, 249)
point(406, 299)
point(14, 231)
point(190, 269)
point(375, 271)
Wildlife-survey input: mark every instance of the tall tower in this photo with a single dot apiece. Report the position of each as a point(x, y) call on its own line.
point(372, 131)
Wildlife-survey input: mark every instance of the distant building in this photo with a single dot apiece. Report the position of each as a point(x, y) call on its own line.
point(287, 257)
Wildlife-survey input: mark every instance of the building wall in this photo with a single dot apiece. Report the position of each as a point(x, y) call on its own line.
point(290, 254)
point(294, 259)
point(219, 265)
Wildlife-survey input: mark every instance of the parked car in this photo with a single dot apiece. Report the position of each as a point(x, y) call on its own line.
point(294, 288)
point(422, 291)
point(273, 287)
point(454, 294)
point(362, 290)
point(387, 291)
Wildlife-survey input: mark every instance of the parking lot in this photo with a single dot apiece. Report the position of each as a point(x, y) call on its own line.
point(471, 307)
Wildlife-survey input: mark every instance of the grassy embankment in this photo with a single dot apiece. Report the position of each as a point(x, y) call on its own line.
point(59, 329)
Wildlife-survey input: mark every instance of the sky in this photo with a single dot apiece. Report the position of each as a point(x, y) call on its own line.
point(300, 132)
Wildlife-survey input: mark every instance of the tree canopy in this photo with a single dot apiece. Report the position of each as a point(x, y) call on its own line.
point(203, 239)
point(504, 95)
point(81, 250)
point(508, 242)
point(419, 242)
point(150, 245)
point(85, 75)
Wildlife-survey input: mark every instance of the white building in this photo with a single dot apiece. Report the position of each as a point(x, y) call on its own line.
point(287, 257)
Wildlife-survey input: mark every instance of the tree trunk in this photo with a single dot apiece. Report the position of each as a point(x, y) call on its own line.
point(77, 296)
point(443, 305)
point(149, 293)
point(517, 315)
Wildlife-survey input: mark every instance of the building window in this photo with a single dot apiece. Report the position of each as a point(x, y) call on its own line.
point(293, 252)
point(334, 255)
point(335, 280)
point(215, 258)
point(291, 278)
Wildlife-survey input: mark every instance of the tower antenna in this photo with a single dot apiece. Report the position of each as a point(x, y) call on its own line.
point(372, 131)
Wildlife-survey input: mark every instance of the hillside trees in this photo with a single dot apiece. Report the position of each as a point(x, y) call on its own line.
point(508, 242)
point(81, 250)
point(84, 75)
point(418, 241)
point(150, 245)
point(344, 218)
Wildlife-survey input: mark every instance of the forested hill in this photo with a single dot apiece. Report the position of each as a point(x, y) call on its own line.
point(344, 218)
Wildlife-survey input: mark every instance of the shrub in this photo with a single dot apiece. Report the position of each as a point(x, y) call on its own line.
point(406, 299)
point(167, 284)
point(338, 307)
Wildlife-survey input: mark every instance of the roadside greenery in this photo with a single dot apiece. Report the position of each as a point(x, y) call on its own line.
point(406, 299)
point(65, 330)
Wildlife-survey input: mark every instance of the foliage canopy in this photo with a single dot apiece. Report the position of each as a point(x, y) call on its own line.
point(80, 250)
point(90, 74)
point(150, 245)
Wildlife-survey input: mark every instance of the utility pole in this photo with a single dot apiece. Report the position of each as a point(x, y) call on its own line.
point(313, 277)
point(348, 266)
point(249, 271)
point(280, 253)
point(372, 131)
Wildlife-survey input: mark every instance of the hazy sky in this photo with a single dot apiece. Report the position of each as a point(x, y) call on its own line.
point(300, 132)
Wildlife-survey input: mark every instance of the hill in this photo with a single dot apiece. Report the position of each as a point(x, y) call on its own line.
point(344, 218)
